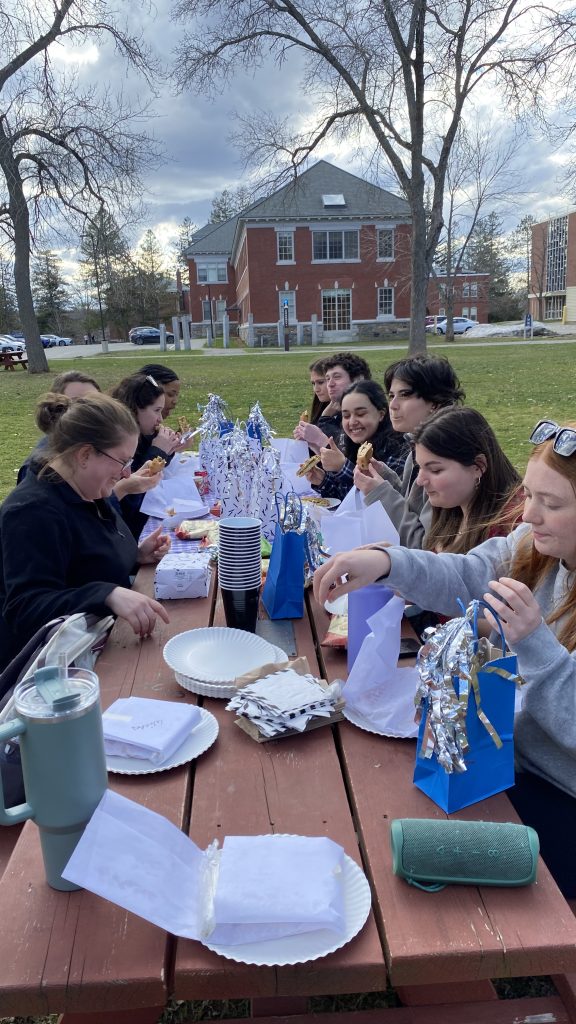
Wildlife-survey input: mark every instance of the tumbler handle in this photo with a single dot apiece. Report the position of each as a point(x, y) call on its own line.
point(12, 815)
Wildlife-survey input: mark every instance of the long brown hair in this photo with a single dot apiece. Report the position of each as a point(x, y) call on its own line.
point(465, 436)
point(317, 406)
point(531, 567)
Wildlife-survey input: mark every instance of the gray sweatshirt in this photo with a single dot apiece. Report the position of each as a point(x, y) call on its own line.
point(407, 505)
point(545, 728)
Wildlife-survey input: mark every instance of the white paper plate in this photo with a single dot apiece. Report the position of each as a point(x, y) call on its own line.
point(312, 499)
point(200, 739)
point(217, 654)
point(224, 690)
point(299, 949)
point(353, 716)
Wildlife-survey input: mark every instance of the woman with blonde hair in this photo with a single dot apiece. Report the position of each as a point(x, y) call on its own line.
point(529, 579)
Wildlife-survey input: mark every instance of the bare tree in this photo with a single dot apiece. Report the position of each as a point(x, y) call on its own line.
point(403, 69)
point(480, 172)
point(64, 150)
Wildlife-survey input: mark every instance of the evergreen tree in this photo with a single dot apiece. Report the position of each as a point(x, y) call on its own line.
point(154, 301)
point(228, 203)
point(183, 243)
point(487, 254)
point(108, 274)
point(50, 292)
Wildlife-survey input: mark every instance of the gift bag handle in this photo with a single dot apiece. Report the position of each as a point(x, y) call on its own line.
point(477, 605)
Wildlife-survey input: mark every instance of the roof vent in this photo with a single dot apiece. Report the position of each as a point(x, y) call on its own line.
point(335, 199)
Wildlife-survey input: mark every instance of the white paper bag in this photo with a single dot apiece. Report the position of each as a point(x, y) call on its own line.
point(377, 690)
point(355, 523)
point(160, 498)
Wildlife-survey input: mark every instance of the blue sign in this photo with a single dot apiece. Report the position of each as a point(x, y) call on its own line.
point(528, 320)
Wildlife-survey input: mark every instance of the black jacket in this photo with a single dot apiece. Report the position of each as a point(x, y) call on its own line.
point(58, 554)
point(130, 504)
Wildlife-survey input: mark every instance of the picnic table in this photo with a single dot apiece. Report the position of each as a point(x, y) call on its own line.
point(10, 360)
point(76, 954)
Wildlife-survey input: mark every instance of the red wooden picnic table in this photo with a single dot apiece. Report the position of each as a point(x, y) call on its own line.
point(77, 954)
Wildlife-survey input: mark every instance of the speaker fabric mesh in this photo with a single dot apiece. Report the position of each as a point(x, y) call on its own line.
point(464, 852)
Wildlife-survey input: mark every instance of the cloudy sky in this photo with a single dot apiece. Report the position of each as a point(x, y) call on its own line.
point(200, 159)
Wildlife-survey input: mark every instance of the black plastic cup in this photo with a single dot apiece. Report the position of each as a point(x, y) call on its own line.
point(241, 608)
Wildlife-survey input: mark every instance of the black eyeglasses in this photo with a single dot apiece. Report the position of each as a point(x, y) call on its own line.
point(125, 465)
point(564, 437)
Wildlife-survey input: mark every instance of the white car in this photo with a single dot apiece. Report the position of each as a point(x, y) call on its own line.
point(56, 339)
point(461, 325)
point(9, 344)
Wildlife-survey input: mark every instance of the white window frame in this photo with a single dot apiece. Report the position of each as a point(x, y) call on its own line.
point(206, 307)
point(473, 289)
point(466, 290)
point(220, 309)
point(473, 312)
point(382, 314)
point(212, 272)
point(343, 232)
point(390, 232)
point(283, 237)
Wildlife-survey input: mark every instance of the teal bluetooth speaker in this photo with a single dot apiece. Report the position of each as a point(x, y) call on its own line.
point(432, 853)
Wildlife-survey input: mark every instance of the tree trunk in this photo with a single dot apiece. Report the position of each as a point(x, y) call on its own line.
point(420, 275)
point(37, 362)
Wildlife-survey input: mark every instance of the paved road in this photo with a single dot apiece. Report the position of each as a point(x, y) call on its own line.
point(150, 353)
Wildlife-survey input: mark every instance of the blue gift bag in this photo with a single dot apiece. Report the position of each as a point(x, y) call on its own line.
point(488, 716)
point(283, 593)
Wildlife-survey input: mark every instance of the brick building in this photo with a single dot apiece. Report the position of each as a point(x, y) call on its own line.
point(331, 249)
point(553, 269)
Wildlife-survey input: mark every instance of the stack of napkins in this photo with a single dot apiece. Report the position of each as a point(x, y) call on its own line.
point(182, 575)
point(149, 729)
point(256, 887)
point(284, 700)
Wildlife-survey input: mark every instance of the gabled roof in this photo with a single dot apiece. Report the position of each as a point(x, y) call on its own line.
point(303, 199)
point(315, 195)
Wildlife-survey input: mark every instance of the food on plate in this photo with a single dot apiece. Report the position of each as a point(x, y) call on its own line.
point(304, 417)
point(183, 425)
point(315, 499)
point(155, 465)
point(365, 454)
point(309, 464)
point(191, 529)
point(170, 512)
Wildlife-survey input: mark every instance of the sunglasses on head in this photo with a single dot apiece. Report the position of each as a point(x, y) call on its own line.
point(564, 437)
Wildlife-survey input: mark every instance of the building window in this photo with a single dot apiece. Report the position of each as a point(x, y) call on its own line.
point(285, 246)
point(473, 312)
point(337, 309)
point(211, 273)
point(385, 243)
point(553, 308)
point(290, 298)
point(220, 309)
point(466, 291)
point(206, 306)
point(556, 256)
point(385, 302)
point(474, 290)
point(464, 310)
point(328, 246)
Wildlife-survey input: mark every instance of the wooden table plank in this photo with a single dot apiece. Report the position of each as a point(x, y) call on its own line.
point(283, 786)
point(74, 951)
point(463, 933)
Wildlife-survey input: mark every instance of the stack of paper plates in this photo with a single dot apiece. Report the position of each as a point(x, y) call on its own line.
point(207, 661)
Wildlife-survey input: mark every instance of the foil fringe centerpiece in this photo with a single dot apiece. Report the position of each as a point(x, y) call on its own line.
point(448, 665)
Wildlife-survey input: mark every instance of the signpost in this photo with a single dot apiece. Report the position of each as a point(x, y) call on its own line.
point(528, 326)
point(286, 325)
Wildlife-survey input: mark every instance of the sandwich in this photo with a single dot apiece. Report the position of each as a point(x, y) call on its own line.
point(155, 465)
point(309, 464)
point(304, 417)
point(183, 425)
point(365, 454)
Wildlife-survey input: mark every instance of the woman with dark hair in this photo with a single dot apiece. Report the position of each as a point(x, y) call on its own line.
point(471, 484)
point(416, 386)
point(168, 380)
point(364, 418)
point(529, 578)
point(63, 546)
point(144, 397)
point(321, 399)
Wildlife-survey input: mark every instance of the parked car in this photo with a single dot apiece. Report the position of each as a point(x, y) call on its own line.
point(54, 339)
point(148, 335)
point(9, 344)
point(461, 325)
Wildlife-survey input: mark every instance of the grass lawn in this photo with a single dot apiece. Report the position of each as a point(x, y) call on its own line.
point(513, 386)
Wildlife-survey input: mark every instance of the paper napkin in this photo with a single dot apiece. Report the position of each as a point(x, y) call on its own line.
point(151, 729)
